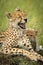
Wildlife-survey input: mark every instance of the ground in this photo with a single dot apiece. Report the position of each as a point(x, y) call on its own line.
point(34, 10)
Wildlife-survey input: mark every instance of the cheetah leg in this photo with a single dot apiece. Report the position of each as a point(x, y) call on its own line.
point(16, 51)
point(25, 44)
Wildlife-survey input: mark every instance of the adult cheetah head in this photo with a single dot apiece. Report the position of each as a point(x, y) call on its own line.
point(17, 19)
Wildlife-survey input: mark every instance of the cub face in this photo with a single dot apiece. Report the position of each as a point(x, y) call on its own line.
point(18, 18)
point(32, 37)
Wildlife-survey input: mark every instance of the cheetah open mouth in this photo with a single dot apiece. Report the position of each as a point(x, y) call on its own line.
point(22, 25)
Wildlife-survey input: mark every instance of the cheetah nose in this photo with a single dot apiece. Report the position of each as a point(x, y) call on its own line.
point(25, 20)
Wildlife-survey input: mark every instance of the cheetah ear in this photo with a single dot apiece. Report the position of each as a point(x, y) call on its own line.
point(8, 15)
point(18, 9)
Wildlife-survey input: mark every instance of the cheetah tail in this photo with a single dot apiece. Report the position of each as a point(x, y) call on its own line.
point(16, 51)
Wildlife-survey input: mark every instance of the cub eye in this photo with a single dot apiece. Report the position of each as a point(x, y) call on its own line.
point(27, 35)
point(30, 35)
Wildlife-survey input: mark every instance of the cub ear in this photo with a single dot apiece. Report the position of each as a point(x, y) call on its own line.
point(36, 32)
point(8, 14)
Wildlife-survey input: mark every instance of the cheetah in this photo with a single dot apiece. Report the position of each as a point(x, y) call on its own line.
point(14, 36)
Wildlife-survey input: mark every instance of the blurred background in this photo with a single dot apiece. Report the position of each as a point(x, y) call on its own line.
point(33, 9)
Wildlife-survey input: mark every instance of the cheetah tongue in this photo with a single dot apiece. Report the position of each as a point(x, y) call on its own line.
point(22, 25)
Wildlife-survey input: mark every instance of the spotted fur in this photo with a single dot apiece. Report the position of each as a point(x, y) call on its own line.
point(14, 36)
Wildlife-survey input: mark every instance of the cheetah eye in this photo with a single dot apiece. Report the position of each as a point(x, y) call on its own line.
point(18, 16)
